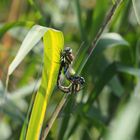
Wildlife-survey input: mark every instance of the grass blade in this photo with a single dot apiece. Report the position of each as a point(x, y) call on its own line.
point(32, 38)
point(53, 43)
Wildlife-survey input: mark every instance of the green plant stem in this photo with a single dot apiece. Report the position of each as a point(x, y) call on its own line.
point(94, 43)
point(54, 116)
point(98, 35)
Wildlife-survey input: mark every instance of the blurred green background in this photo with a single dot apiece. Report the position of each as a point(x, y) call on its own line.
point(108, 106)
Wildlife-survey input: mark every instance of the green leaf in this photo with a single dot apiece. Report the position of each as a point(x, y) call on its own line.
point(129, 70)
point(109, 40)
point(53, 44)
point(32, 38)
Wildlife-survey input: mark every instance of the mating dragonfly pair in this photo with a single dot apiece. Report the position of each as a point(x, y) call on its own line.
point(76, 82)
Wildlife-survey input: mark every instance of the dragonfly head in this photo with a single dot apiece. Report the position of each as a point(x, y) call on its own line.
point(81, 80)
point(68, 50)
point(67, 53)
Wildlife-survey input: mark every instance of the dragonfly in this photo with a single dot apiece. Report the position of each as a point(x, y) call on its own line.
point(66, 60)
point(76, 82)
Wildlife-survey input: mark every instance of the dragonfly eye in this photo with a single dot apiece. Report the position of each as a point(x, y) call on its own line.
point(82, 80)
point(68, 50)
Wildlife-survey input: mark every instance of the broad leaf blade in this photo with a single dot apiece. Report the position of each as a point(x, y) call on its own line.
point(53, 43)
point(32, 38)
point(129, 70)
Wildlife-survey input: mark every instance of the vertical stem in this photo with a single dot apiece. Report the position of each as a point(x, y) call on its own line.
point(54, 116)
point(97, 37)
